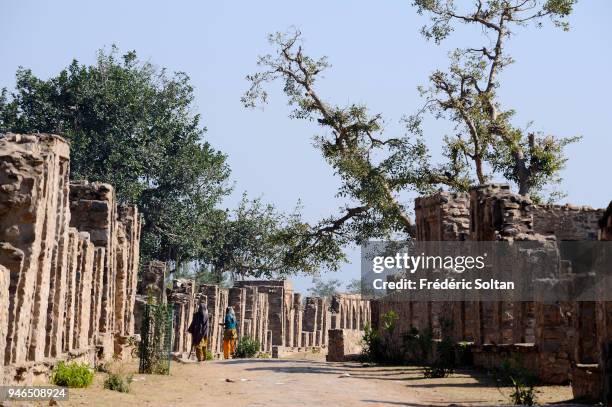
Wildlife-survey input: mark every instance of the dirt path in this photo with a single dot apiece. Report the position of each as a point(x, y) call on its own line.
point(298, 382)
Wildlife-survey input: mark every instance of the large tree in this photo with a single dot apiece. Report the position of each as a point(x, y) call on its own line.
point(486, 139)
point(376, 169)
point(354, 138)
point(131, 125)
point(257, 240)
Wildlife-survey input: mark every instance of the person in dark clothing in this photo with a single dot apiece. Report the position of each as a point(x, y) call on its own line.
point(200, 331)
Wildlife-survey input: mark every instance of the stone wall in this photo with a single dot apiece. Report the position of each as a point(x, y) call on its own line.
point(268, 311)
point(567, 222)
point(344, 344)
point(58, 255)
point(555, 338)
point(442, 216)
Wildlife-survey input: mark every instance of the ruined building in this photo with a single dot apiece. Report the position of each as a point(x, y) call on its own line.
point(561, 341)
point(69, 256)
point(266, 310)
point(70, 284)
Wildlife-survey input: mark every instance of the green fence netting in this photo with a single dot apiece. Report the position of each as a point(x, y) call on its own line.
point(156, 339)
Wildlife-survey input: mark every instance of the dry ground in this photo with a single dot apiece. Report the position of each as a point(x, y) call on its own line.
point(306, 380)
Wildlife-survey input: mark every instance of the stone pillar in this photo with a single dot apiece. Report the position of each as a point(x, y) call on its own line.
point(554, 339)
point(33, 171)
point(297, 320)
point(183, 298)
point(216, 312)
point(289, 314)
point(250, 311)
point(322, 323)
point(59, 267)
point(132, 221)
point(237, 300)
point(82, 290)
point(264, 321)
point(96, 292)
point(121, 279)
point(311, 311)
point(73, 255)
point(4, 302)
point(93, 210)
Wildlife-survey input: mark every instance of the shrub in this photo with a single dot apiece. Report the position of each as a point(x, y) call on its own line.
point(382, 347)
point(464, 354)
point(417, 344)
point(522, 395)
point(72, 375)
point(117, 382)
point(371, 345)
point(513, 373)
point(209, 355)
point(247, 347)
point(444, 357)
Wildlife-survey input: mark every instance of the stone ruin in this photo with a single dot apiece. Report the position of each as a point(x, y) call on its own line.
point(69, 276)
point(561, 341)
point(266, 310)
point(69, 254)
point(69, 264)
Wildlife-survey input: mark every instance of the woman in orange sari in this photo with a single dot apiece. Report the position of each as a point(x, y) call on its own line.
point(230, 333)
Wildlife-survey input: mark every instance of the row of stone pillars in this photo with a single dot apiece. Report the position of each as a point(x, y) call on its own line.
point(69, 259)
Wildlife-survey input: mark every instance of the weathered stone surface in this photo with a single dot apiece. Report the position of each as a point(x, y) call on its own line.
point(132, 222)
point(32, 172)
point(4, 302)
point(84, 274)
point(567, 222)
point(93, 209)
point(344, 344)
point(58, 259)
point(153, 280)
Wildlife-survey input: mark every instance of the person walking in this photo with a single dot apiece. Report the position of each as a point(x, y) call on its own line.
point(230, 333)
point(200, 331)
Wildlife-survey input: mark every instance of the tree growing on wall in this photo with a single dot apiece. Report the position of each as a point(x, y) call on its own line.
point(466, 93)
point(375, 169)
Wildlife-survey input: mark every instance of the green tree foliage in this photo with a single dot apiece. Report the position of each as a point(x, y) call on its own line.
point(486, 141)
point(324, 288)
point(353, 138)
point(256, 240)
point(375, 168)
point(131, 125)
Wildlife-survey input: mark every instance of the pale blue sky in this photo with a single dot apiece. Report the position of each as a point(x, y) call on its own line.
point(561, 80)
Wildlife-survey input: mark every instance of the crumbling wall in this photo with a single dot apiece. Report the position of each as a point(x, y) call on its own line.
point(552, 336)
point(567, 222)
point(4, 303)
point(443, 216)
point(33, 174)
point(55, 240)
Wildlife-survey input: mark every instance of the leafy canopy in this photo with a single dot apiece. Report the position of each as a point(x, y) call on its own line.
point(131, 125)
point(376, 169)
point(486, 141)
